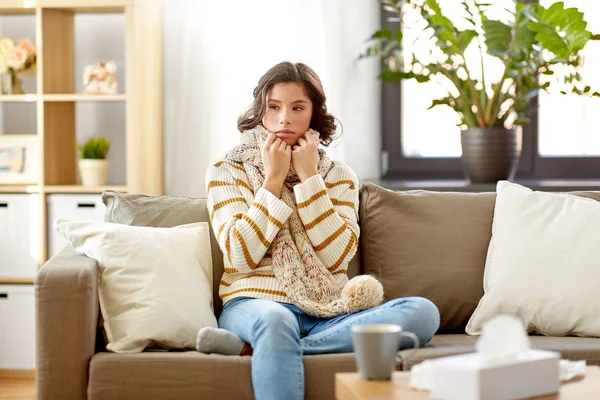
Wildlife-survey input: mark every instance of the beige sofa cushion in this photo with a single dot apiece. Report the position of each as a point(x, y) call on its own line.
point(170, 211)
point(164, 212)
point(158, 295)
point(542, 263)
point(192, 375)
point(428, 244)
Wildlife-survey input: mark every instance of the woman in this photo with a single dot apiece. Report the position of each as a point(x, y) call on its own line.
point(285, 217)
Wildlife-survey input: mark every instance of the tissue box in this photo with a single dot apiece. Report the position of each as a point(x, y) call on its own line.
point(467, 377)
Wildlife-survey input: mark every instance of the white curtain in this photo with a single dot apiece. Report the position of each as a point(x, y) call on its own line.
point(215, 52)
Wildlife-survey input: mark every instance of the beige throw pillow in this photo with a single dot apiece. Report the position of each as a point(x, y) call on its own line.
point(154, 283)
point(543, 263)
point(429, 244)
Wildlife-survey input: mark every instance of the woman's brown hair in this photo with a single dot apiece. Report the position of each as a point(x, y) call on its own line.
point(285, 72)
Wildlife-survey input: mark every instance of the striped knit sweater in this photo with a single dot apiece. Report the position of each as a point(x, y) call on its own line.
point(246, 223)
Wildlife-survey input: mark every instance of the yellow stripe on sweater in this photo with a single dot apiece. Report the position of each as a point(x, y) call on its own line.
point(320, 218)
point(331, 238)
point(350, 204)
point(226, 284)
point(237, 167)
point(240, 182)
point(257, 230)
point(259, 290)
point(345, 253)
point(247, 256)
point(273, 220)
point(350, 183)
point(228, 248)
point(312, 199)
point(225, 203)
point(337, 202)
point(236, 216)
point(340, 272)
point(213, 184)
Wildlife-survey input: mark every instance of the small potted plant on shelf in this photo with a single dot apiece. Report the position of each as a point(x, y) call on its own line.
point(534, 48)
point(93, 165)
point(16, 57)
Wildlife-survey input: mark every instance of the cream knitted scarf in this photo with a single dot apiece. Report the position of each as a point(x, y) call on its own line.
point(304, 278)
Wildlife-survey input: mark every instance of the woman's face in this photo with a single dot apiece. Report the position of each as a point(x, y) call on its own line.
point(289, 111)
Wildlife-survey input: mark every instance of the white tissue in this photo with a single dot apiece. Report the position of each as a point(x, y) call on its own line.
point(570, 369)
point(421, 375)
point(503, 338)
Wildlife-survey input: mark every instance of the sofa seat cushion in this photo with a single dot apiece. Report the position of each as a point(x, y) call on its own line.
point(156, 375)
point(570, 347)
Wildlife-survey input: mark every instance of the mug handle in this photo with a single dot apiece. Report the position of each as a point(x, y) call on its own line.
point(416, 345)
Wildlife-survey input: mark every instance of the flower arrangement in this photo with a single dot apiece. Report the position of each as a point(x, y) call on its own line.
point(16, 57)
point(100, 78)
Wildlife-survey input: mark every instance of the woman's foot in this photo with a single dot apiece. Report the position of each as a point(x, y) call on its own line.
point(219, 341)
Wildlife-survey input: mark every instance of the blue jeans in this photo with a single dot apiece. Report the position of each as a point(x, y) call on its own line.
point(281, 333)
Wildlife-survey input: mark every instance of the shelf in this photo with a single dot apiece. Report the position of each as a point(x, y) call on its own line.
point(16, 281)
point(30, 98)
point(18, 98)
point(19, 189)
point(83, 97)
point(83, 189)
point(16, 9)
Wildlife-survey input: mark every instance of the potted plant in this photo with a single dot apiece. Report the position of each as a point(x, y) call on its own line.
point(533, 42)
point(93, 165)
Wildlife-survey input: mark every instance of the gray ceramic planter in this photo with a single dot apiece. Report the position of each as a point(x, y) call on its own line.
point(490, 154)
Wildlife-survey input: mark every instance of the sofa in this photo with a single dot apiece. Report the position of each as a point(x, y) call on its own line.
point(417, 243)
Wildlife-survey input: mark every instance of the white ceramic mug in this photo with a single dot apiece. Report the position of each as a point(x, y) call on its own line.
point(376, 349)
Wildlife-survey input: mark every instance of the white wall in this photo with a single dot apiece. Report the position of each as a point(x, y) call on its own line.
point(214, 54)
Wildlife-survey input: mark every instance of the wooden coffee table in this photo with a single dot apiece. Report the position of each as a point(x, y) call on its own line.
point(349, 386)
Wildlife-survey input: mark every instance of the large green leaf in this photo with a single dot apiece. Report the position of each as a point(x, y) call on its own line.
point(465, 38)
point(566, 24)
point(498, 37)
point(394, 76)
point(550, 39)
point(446, 101)
point(524, 37)
point(382, 34)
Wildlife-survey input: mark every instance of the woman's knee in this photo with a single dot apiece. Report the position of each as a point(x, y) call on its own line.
point(425, 316)
point(277, 320)
point(429, 317)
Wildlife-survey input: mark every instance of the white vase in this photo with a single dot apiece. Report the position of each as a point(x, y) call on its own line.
point(93, 172)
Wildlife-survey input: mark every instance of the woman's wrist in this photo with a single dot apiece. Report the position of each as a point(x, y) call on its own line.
point(304, 177)
point(273, 185)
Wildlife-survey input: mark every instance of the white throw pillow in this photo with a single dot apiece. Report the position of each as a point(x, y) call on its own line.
point(155, 284)
point(543, 263)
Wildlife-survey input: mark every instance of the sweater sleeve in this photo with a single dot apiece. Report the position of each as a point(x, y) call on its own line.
point(244, 232)
point(329, 213)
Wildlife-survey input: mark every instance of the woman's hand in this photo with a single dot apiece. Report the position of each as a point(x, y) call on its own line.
point(305, 156)
point(276, 157)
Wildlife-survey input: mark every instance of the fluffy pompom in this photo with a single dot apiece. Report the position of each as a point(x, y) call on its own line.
point(362, 292)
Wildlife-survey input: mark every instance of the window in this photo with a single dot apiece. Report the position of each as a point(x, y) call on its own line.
point(561, 141)
point(569, 125)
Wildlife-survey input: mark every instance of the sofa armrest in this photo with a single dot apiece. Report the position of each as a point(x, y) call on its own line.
point(66, 318)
